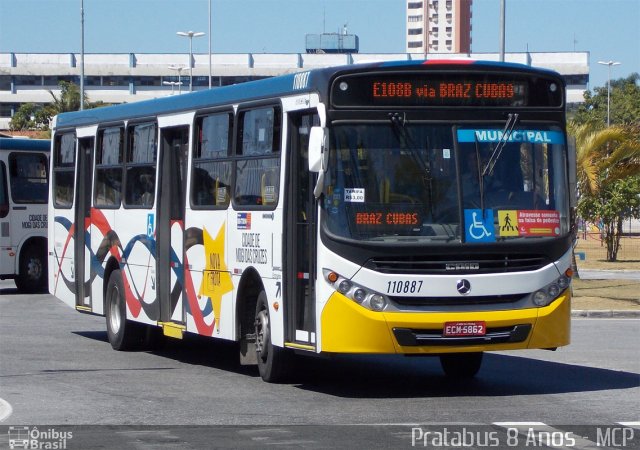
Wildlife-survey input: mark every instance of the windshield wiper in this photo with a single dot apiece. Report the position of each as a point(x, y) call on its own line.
point(405, 139)
point(497, 151)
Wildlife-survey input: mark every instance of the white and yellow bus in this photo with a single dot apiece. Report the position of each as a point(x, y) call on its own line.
point(24, 166)
point(418, 208)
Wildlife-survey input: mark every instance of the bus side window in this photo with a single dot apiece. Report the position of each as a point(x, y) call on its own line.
point(28, 177)
point(64, 169)
point(140, 177)
point(258, 165)
point(211, 161)
point(4, 197)
point(108, 185)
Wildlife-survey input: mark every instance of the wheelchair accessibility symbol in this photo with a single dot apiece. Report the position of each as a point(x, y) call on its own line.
point(478, 225)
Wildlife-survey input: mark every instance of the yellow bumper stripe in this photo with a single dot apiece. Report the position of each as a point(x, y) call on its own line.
point(350, 328)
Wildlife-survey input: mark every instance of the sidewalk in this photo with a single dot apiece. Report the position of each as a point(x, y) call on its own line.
point(595, 274)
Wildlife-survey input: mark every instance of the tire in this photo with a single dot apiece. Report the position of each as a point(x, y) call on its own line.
point(32, 276)
point(273, 362)
point(461, 365)
point(123, 334)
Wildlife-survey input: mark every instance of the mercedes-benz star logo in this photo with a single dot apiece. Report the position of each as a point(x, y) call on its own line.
point(463, 286)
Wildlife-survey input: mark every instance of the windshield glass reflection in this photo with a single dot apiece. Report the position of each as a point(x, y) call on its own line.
point(425, 182)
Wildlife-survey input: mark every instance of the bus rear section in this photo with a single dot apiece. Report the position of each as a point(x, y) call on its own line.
point(23, 212)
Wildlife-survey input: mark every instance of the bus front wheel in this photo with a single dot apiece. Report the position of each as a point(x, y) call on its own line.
point(123, 334)
point(461, 365)
point(272, 360)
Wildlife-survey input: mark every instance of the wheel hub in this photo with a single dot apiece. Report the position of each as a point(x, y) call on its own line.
point(114, 312)
point(262, 334)
point(34, 269)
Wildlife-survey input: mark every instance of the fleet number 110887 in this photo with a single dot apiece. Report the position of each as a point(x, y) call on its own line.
point(404, 287)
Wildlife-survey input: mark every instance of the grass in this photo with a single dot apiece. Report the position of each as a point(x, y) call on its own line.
point(595, 254)
point(607, 294)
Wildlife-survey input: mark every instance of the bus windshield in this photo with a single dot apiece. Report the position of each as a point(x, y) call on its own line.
point(431, 182)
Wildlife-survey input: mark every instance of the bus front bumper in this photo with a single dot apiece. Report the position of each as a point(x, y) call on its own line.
point(350, 328)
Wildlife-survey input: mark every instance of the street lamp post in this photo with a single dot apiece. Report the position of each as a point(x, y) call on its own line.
point(609, 64)
point(502, 27)
point(190, 35)
point(210, 37)
point(179, 69)
point(172, 84)
point(81, 55)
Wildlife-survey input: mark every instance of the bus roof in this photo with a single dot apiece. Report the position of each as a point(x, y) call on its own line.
point(40, 145)
point(315, 80)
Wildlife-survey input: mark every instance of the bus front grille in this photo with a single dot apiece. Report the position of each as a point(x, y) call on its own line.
point(464, 265)
point(456, 301)
point(410, 337)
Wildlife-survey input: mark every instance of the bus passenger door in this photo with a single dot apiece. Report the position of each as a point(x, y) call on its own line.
point(82, 238)
point(6, 262)
point(170, 270)
point(300, 234)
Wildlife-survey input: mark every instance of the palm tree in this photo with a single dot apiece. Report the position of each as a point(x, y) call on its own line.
point(604, 157)
point(69, 99)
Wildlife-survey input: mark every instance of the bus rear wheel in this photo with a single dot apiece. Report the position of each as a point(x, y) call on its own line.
point(32, 276)
point(123, 334)
point(461, 365)
point(273, 361)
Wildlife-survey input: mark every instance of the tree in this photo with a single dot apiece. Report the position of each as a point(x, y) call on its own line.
point(608, 169)
point(608, 159)
point(69, 99)
point(37, 117)
point(612, 204)
point(24, 117)
point(624, 104)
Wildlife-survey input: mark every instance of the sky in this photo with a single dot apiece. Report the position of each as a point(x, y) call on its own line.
point(608, 29)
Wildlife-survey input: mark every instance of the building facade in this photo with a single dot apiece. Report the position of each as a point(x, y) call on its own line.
point(130, 77)
point(438, 26)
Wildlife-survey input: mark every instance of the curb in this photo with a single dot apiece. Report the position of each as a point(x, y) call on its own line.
point(605, 314)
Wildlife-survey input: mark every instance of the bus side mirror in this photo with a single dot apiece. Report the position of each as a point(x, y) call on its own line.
point(316, 149)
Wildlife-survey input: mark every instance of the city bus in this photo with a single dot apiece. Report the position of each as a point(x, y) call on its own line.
point(414, 208)
point(24, 166)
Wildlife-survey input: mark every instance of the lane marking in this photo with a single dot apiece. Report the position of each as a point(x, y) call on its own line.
point(630, 424)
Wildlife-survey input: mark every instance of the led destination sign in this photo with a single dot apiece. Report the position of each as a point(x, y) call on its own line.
point(383, 218)
point(444, 89)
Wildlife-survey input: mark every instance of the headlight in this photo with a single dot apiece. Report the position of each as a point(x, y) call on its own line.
point(551, 291)
point(540, 298)
point(564, 282)
point(361, 295)
point(377, 302)
point(344, 286)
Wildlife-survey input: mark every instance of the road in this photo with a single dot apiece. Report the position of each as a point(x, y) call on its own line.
point(57, 368)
